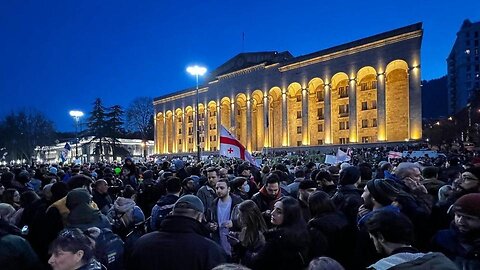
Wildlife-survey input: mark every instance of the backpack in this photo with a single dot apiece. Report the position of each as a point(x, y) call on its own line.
point(109, 247)
point(119, 225)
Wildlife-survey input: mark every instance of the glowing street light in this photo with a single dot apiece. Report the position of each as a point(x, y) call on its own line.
point(76, 116)
point(197, 71)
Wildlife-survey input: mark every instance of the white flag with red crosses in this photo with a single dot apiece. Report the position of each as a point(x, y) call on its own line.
point(231, 147)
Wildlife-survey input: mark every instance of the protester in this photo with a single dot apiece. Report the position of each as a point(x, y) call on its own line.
point(181, 242)
point(287, 243)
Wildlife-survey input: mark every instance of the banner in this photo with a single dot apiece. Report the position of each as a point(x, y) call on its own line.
point(232, 148)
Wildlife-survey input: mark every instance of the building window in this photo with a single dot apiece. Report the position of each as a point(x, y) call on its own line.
point(320, 128)
point(190, 140)
point(320, 142)
point(213, 113)
point(374, 104)
point(320, 96)
point(374, 122)
point(299, 143)
point(365, 139)
point(180, 131)
point(364, 106)
point(180, 119)
point(202, 139)
point(320, 113)
point(343, 110)
point(343, 125)
point(299, 130)
point(343, 140)
point(299, 114)
point(373, 84)
point(214, 148)
point(299, 98)
point(343, 91)
point(179, 141)
point(190, 130)
point(190, 119)
point(364, 123)
point(238, 112)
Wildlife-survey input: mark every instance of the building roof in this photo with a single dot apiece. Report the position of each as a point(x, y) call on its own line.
point(246, 60)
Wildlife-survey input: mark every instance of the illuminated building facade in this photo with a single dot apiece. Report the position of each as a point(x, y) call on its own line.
point(363, 91)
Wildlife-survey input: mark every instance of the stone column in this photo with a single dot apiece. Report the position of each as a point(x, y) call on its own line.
point(249, 125)
point(266, 122)
point(164, 131)
point(195, 128)
point(328, 114)
point(174, 133)
point(381, 109)
point(206, 130)
point(184, 132)
point(415, 103)
point(352, 109)
point(305, 127)
point(284, 120)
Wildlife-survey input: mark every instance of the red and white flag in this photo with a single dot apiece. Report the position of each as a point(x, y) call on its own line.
point(231, 147)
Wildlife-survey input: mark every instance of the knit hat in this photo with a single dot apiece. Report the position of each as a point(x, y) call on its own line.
point(306, 184)
point(349, 176)
point(382, 190)
point(53, 170)
point(189, 202)
point(76, 197)
point(468, 204)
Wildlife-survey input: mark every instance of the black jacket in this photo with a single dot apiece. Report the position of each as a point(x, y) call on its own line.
point(180, 244)
point(348, 199)
point(282, 252)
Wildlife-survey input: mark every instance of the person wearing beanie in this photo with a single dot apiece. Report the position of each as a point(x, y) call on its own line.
point(461, 242)
point(348, 197)
point(306, 188)
point(377, 195)
point(181, 243)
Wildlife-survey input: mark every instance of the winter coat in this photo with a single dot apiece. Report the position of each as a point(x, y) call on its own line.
point(348, 199)
point(464, 250)
point(206, 194)
point(161, 210)
point(409, 258)
point(181, 243)
point(331, 230)
point(281, 252)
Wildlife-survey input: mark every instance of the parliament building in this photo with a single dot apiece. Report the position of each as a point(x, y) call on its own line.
point(363, 91)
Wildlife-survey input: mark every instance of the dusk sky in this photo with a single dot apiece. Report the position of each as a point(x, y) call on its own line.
point(59, 55)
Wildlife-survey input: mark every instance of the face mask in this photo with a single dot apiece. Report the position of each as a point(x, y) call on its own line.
point(246, 188)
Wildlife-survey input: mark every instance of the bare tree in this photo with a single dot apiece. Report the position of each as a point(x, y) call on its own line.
point(139, 117)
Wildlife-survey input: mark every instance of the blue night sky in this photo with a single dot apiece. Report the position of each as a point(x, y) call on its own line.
point(58, 55)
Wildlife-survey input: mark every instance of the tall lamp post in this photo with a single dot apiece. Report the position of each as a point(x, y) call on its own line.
point(197, 71)
point(76, 116)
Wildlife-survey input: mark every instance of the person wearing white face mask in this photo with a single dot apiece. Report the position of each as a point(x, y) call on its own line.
point(240, 187)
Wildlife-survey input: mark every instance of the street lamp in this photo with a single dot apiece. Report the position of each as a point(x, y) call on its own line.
point(197, 71)
point(76, 116)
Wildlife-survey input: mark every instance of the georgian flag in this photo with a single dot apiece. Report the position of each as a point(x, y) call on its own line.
point(232, 148)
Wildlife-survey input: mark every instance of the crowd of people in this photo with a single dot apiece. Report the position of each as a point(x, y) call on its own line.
point(292, 212)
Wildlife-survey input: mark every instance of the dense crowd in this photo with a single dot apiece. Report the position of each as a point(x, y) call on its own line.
point(291, 212)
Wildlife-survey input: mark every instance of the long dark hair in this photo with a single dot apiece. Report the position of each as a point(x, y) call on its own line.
point(293, 226)
point(253, 224)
